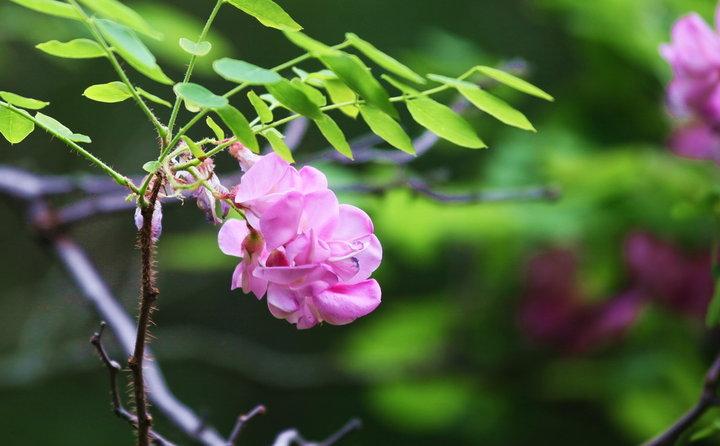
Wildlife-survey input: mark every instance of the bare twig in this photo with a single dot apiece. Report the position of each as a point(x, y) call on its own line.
point(148, 297)
point(292, 436)
point(113, 369)
point(241, 421)
point(708, 399)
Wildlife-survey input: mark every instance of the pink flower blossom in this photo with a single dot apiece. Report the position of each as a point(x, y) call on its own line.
point(155, 223)
point(311, 255)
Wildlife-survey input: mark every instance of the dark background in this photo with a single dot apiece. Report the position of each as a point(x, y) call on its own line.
point(446, 359)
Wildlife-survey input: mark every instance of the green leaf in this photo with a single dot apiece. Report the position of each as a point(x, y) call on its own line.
point(195, 149)
point(131, 48)
point(295, 99)
point(334, 135)
point(268, 13)
point(243, 72)
point(151, 166)
point(340, 94)
point(199, 95)
point(153, 98)
point(239, 125)
point(124, 15)
point(406, 89)
point(109, 93)
point(216, 129)
point(58, 129)
point(356, 75)
point(14, 127)
point(314, 94)
point(278, 145)
point(23, 102)
point(51, 7)
point(496, 107)
point(387, 62)
point(387, 128)
point(513, 82)
point(486, 102)
point(444, 122)
point(195, 48)
point(261, 107)
point(306, 42)
point(74, 49)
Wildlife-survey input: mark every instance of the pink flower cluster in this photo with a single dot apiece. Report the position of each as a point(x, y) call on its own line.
point(694, 92)
point(311, 255)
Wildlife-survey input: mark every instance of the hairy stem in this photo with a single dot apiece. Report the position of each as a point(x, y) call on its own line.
point(191, 65)
point(115, 175)
point(148, 297)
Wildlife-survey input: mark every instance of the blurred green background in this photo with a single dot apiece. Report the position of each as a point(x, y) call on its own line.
point(448, 358)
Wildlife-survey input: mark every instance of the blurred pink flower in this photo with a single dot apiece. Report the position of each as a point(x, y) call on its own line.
point(155, 223)
point(312, 255)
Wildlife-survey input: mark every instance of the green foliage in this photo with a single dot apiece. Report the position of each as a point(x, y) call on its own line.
point(239, 125)
point(51, 7)
point(294, 99)
point(14, 127)
point(444, 122)
point(307, 43)
point(199, 96)
point(195, 149)
point(513, 82)
point(356, 75)
point(278, 145)
point(387, 128)
point(216, 129)
point(334, 135)
point(54, 127)
point(120, 13)
point(261, 107)
point(152, 97)
point(387, 62)
point(74, 49)
point(23, 102)
point(243, 72)
point(109, 93)
point(131, 48)
point(195, 48)
point(268, 13)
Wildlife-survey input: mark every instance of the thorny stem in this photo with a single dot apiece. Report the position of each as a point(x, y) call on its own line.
point(191, 65)
point(149, 294)
point(113, 369)
point(117, 176)
point(90, 23)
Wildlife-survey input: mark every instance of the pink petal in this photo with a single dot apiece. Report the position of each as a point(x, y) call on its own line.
point(353, 224)
point(281, 301)
point(320, 212)
point(270, 174)
point(231, 237)
point(279, 224)
point(342, 304)
point(312, 180)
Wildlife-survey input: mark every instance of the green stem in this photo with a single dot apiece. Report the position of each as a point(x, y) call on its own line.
point(191, 65)
point(118, 69)
point(117, 176)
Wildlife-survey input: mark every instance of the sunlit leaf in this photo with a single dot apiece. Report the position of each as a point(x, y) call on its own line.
point(278, 144)
point(74, 49)
point(384, 60)
point(243, 72)
point(268, 13)
point(314, 94)
point(153, 98)
point(444, 122)
point(514, 82)
point(239, 125)
point(195, 149)
point(123, 14)
point(294, 99)
point(356, 75)
point(332, 132)
point(131, 48)
point(14, 127)
point(387, 128)
point(216, 129)
point(58, 129)
point(51, 7)
point(151, 166)
point(199, 95)
point(195, 48)
point(22, 101)
point(261, 107)
point(341, 94)
point(306, 42)
point(109, 93)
